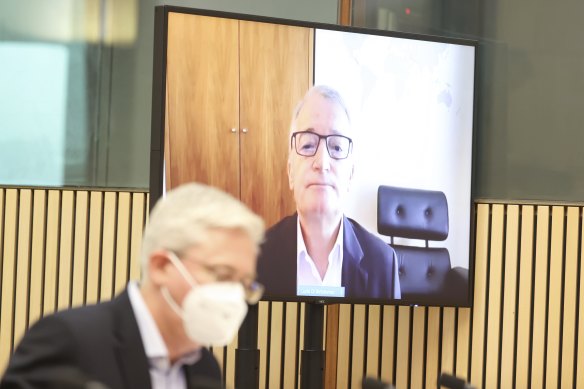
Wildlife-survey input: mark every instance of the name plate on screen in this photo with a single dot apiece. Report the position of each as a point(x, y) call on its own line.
point(321, 291)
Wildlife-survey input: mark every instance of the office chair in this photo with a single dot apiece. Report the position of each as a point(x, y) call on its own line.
point(425, 272)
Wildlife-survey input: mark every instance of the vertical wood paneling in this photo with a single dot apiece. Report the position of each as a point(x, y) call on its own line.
point(38, 256)
point(570, 288)
point(540, 298)
point(524, 330)
point(94, 252)
point(373, 341)
point(139, 206)
point(80, 247)
point(580, 314)
point(290, 345)
point(23, 263)
point(556, 268)
point(507, 340)
point(463, 343)
point(343, 349)
point(480, 296)
point(276, 344)
point(433, 347)
point(494, 297)
point(123, 236)
point(358, 355)
point(388, 344)
point(263, 335)
point(8, 275)
point(447, 336)
point(524, 306)
point(403, 347)
point(65, 252)
point(109, 230)
point(51, 252)
point(417, 369)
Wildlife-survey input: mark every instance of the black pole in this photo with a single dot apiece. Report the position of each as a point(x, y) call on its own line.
point(247, 355)
point(312, 357)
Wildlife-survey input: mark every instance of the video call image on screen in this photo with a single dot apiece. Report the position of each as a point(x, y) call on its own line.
point(388, 135)
point(402, 167)
point(411, 107)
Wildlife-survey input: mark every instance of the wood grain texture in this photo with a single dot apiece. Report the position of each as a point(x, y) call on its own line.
point(203, 101)
point(7, 287)
point(23, 264)
point(480, 297)
point(80, 247)
point(568, 340)
point(524, 314)
point(545, 349)
point(108, 235)
point(122, 247)
point(493, 330)
point(556, 269)
point(540, 297)
point(66, 249)
point(274, 62)
point(507, 338)
point(51, 252)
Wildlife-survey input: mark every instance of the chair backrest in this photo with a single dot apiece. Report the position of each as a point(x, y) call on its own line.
point(416, 214)
point(412, 213)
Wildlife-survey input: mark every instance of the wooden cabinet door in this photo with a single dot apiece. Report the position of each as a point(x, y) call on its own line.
point(203, 101)
point(274, 75)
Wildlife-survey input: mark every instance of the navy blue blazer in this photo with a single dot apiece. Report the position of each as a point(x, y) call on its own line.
point(369, 264)
point(100, 343)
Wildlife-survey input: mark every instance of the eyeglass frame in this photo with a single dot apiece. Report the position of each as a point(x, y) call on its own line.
point(253, 291)
point(294, 143)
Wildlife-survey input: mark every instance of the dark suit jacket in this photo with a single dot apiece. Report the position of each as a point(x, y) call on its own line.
point(100, 343)
point(368, 262)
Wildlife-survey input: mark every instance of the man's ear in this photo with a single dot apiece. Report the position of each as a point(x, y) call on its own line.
point(158, 267)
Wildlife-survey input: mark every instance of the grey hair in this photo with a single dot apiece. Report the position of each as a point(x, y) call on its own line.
point(326, 92)
point(181, 219)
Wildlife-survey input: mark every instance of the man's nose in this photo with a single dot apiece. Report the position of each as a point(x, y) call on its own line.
point(322, 159)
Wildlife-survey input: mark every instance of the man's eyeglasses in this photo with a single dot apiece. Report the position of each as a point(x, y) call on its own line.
point(253, 289)
point(307, 142)
point(220, 273)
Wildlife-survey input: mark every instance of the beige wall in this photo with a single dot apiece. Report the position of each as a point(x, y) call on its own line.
point(62, 248)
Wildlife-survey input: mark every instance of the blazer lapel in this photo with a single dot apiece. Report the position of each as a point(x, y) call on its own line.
point(130, 352)
point(353, 277)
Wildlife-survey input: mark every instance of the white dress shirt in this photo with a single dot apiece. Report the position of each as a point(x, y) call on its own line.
point(163, 374)
point(307, 273)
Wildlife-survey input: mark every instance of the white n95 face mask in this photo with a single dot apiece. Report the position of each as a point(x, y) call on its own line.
point(211, 313)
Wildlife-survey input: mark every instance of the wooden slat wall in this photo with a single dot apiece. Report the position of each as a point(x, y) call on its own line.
point(62, 248)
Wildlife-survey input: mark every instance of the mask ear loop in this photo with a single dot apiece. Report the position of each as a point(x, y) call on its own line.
point(183, 271)
point(166, 295)
point(181, 268)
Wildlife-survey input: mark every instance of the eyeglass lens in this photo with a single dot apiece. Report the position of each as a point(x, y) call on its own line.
point(307, 144)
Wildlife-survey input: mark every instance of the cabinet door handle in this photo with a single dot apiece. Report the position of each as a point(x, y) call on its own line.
point(234, 130)
point(244, 130)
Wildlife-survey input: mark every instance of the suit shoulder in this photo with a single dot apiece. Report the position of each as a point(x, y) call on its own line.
point(371, 243)
point(363, 234)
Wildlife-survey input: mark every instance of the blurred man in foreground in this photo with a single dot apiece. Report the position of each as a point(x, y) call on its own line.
point(198, 272)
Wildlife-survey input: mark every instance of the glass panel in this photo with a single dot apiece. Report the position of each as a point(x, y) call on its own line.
point(76, 86)
point(530, 87)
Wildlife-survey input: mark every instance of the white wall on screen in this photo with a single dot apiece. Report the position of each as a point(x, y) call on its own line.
point(412, 108)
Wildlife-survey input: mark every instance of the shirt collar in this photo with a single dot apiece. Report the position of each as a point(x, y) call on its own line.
point(301, 245)
point(154, 345)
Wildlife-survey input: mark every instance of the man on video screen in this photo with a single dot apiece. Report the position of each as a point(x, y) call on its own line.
point(319, 251)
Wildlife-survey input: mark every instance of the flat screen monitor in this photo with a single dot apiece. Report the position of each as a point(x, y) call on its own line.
point(370, 169)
